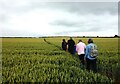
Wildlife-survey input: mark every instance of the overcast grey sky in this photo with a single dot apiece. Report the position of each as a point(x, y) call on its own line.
point(35, 18)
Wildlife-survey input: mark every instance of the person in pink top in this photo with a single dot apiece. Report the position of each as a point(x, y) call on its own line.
point(80, 49)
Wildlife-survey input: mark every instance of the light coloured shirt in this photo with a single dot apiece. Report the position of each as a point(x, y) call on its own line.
point(80, 48)
point(87, 52)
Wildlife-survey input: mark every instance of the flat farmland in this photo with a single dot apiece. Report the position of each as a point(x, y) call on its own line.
point(37, 60)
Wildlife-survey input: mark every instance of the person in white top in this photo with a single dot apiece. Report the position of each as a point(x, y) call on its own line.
point(80, 49)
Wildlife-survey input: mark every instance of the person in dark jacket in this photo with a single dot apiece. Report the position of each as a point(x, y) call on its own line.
point(71, 45)
point(64, 45)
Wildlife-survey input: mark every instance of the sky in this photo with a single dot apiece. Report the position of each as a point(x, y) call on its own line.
point(33, 18)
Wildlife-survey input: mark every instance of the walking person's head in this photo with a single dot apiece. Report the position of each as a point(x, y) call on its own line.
point(90, 40)
point(63, 40)
point(80, 40)
point(70, 38)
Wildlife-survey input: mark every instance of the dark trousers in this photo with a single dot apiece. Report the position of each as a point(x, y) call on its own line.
point(91, 65)
point(71, 50)
point(81, 57)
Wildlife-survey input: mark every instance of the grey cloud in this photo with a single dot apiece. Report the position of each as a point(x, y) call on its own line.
point(64, 23)
point(70, 27)
point(79, 30)
point(86, 7)
point(77, 26)
point(72, 7)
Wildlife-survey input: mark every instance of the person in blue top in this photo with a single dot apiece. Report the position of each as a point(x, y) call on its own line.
point(90, 61)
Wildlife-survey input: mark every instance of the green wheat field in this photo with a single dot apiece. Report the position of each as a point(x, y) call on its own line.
point(34, 60)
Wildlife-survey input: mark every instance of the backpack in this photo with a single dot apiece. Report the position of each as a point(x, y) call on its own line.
point(93, 51)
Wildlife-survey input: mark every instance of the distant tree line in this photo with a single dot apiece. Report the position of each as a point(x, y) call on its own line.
point(115, 36)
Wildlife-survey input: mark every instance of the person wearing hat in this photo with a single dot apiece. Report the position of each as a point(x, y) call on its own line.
point(90, 60)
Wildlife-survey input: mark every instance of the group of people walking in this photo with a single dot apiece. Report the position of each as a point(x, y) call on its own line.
point(87, 53)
